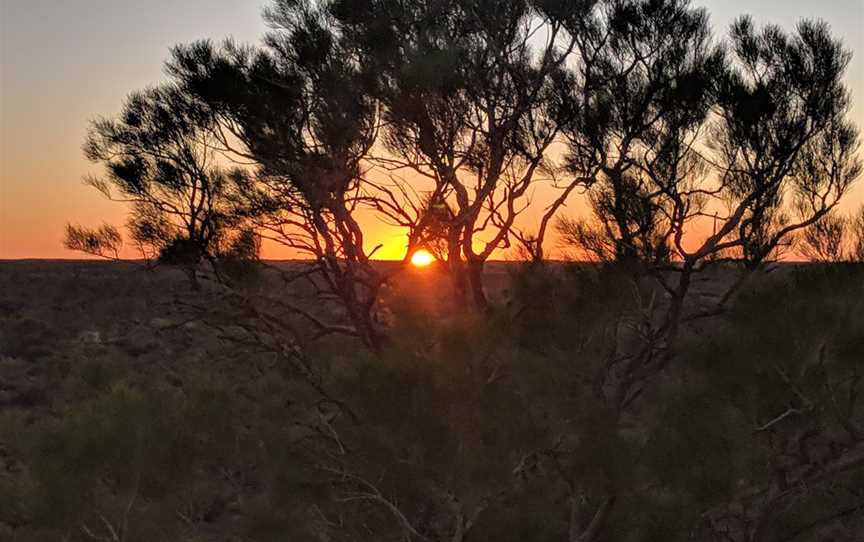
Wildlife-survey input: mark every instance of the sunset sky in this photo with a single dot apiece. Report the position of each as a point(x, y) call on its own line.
point(66, 62)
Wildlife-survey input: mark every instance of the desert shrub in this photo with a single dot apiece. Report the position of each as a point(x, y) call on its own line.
point(494, 416)
point(785, 364)
point(27, 337)
point(825, 240)
point(442, 420)
point(697, 437)
point(123, 446)
point(157, 457)
point(181, 252)
point(239, 261)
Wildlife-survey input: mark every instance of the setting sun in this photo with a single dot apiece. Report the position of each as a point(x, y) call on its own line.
point(422, 258)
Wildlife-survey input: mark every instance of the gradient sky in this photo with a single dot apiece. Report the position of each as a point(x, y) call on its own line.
point(64, 62)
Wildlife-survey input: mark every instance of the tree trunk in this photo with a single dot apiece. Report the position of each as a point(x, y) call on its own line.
point(456, 269)
point(475, 281)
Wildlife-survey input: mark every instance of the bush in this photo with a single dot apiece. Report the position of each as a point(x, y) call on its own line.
point(28, 338)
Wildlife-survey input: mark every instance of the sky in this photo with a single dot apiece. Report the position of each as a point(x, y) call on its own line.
point(64, 63)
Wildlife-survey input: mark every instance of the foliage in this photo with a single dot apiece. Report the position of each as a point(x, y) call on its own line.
point(161, 157)
point(299, 110)
point(104, 241)
point(678, 387)
point(493, 425)
point(834, 238)
point(825, 240)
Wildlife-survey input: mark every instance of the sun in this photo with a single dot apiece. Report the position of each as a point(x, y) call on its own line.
point(421, 258)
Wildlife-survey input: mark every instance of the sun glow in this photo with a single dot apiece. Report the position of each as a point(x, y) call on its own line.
point(421, 258)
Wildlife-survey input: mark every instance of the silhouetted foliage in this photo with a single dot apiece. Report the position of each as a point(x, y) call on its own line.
point(299, 110)
point(160, 157)
point(784, 131)
point(633, 109)
point(857, 227)
point(825, 240)
point(467, 90)
point(671, 388)
point(104, 241)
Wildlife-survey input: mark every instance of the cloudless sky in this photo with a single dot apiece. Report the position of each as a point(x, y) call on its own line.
point(64, 62)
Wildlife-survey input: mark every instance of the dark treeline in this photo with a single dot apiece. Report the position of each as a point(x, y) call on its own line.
point(681, 386)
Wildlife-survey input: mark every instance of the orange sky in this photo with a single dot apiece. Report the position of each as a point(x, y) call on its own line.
point(64, 63)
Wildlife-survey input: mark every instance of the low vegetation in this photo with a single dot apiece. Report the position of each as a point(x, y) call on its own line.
point(479, 427)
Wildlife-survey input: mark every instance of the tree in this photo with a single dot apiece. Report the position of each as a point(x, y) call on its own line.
point(825, 240)
point(466, 89)
point(638, 98)
point(160, 157)
point(784, 129)
point(296, 109)
point(784, 157)
point(857, 227)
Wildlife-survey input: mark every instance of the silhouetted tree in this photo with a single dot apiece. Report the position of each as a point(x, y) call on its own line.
point(160, 157)
point(466, 89)
point(638, 97)
point(825, 240)
point(857, 227)
point(298, 111)
point(834, 238)
point(783, 134)
point(636, 101)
